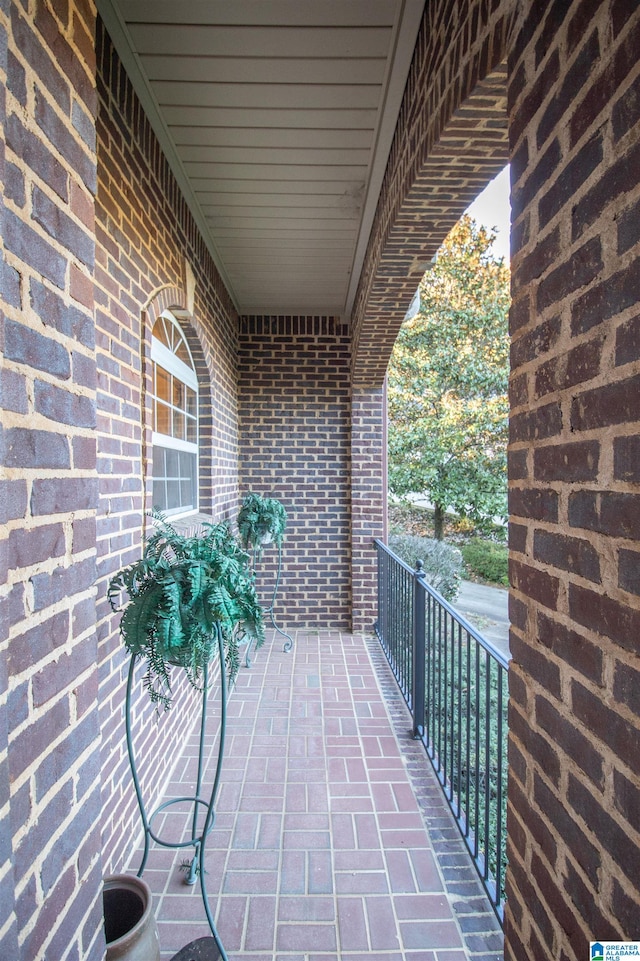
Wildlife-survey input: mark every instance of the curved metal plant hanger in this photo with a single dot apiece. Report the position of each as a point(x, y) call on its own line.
point(262, 521)
point(201, 804)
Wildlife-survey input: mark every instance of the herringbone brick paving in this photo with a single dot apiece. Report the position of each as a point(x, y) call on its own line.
point(320, 849)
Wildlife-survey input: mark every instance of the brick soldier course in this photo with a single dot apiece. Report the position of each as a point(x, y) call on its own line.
point(96, 240)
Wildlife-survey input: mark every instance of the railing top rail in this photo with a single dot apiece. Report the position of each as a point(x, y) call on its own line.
point(466, 626)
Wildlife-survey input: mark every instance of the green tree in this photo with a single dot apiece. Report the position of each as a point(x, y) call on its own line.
point(448, 378)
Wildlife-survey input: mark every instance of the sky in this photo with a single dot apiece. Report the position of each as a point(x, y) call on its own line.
point(491, 209)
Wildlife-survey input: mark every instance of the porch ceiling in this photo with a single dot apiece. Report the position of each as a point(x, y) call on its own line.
point(277, 118)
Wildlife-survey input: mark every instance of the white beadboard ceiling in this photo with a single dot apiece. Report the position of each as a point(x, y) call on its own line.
point(277, 118)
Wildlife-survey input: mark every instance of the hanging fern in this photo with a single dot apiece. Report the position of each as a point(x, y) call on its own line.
point(261, 518)
point(179, 593)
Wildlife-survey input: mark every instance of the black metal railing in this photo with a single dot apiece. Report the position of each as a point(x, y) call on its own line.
point(455, 683)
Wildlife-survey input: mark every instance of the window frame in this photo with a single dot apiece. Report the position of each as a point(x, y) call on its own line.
point(166, 358)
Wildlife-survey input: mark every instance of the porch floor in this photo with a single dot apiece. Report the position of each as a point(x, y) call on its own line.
point(332, 839)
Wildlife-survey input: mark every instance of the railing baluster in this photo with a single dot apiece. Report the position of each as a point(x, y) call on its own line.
point(444, 686)
point(459, 754)
point(429, 667)
point(452, 701)
point(453, 681)
point(500, 792)
point(487, 765)
point(476, 740)
point(419, 666)
point(468, 737)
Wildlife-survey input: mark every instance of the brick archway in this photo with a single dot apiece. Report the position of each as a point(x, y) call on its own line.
point(451, 140)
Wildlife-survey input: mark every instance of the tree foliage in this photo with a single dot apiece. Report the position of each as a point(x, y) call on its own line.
point(448, 378)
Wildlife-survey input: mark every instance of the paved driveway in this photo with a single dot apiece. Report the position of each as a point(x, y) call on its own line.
point(487, 609)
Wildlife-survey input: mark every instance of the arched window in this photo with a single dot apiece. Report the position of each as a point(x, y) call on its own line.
point(175, 419)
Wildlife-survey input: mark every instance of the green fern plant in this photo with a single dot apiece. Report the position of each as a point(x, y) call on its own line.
point(179, 594)
point(260, 520)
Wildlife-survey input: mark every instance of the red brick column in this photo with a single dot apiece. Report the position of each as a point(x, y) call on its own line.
point(368, 499)
point(574, 789)
point(50, 803)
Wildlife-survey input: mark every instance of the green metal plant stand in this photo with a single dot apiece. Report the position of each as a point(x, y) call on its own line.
point(288, 644)
point(201, 805)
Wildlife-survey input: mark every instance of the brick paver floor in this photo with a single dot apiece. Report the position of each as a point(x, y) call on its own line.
point(320, 848)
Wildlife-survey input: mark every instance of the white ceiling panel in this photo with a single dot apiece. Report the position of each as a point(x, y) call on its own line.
point(341, 119)
point(277, 117)
point(266, 13)
point(265, 70)
point(262, 213)
point(350, 191)
point(276, 156)
point(200, 40)
point(278, 206)
point(280, 172)
point(260, 96)
point(282, 138)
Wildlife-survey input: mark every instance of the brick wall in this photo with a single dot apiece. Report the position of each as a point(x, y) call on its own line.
point(8, 925)
point(575, 717)
point(295, 445)
point(147, 243)
point(49, 494)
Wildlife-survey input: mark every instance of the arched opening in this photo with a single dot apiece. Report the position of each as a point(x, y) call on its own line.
point(432, 178)
point(448, 380)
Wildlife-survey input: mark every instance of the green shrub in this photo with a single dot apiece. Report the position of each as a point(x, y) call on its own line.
point(487, 560)
point(442, 563)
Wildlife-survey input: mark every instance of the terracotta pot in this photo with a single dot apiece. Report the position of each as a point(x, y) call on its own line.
point(129, 923)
